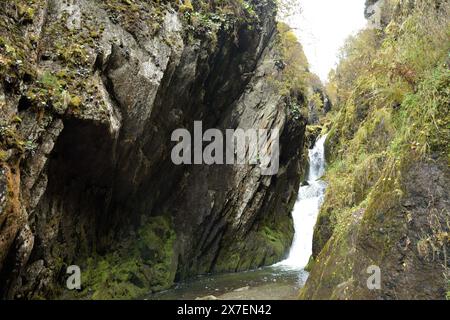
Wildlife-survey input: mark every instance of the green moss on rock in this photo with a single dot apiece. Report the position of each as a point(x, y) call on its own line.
point(144, 266)
point(389, 139)
point(268, 244)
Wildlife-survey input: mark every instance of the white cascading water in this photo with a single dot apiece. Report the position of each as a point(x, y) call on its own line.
point(291, 270)
point(306, 209)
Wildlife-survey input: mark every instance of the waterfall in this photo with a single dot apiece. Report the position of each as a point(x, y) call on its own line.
point(306, 209)
point(268, 283)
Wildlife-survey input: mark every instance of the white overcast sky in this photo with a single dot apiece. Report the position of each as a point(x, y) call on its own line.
point(322, 28)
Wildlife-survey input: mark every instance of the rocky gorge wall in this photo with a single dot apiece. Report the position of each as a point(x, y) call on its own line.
point(90, 93)
point(387, 205)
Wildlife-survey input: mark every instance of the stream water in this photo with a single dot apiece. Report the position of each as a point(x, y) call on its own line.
point(282, 280)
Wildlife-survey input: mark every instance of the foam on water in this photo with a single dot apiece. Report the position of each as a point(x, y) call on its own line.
point(306, 210)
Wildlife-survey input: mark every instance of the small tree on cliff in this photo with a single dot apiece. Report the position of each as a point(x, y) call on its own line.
point(288, 8)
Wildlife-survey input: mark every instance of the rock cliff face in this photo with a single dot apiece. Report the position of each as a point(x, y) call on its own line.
point(90, 93)
point(387, 207)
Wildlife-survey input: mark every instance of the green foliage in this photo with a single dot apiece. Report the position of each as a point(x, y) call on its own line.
point(424, 116)
point(205, 18)
point(293, 60)
point(268, 244)
point(448, 292)
point(274, 238)
point(49, 80)
point(3, 156)
point(186, 7)
point(316, 100)
point(402, 72)
point(392, 93)
point(138, 15)
point(136, 269)
point(294, 76)
point(47, 88)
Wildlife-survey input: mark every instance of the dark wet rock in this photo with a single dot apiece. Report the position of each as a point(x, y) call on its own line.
point(389, 235)
point(95, 185)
